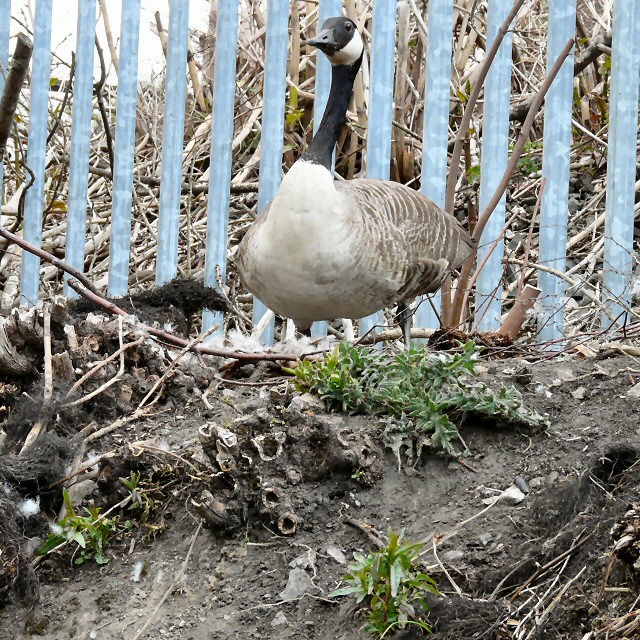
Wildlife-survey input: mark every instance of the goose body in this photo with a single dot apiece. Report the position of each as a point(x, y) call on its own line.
point(326, 249)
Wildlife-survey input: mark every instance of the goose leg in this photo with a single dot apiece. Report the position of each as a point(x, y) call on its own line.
point(403, 317)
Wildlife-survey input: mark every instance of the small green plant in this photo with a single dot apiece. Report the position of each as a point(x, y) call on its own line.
point(418, 393)
point(91, 533)
point(530, 162)
point(392, 582)
point(357, 475)
point(293, 116)
point(143, 504)
point(473, 174)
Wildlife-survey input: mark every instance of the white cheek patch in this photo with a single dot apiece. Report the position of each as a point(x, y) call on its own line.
point(351, 53)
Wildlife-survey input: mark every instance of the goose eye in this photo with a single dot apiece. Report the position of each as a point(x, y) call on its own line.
point(348, 26)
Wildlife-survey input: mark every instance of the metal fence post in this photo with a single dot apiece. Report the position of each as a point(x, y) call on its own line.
point(621, 160)
point(172, 142)
point(80, 138)
point(120, 246)
point(275, 73)
point(327, 9)
point(436, 124)
point(36, 150)
point(224, 88)
point(495, 150)
point(555, 171)
point(383, 45)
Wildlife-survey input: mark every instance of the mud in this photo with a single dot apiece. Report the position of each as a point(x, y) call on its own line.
point(541, 568)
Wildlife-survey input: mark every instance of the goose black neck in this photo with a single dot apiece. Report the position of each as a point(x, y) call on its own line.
point(320, 151)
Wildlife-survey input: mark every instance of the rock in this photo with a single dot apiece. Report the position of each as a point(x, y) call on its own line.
point(521, 483)
point(80, 490)
point(454, 555)
point(485, 538)
point(512, 495)
point(634, 392)
point(305, 402)
point(536, 482)
point(298, 584)
point(305, 561)
point(579, 393)
point(335, 553)
point(279, 620)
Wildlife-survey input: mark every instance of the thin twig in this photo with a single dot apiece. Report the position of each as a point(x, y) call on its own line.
point(169, 591)
point(504, 182)
point(41, 422)
point(111, 381)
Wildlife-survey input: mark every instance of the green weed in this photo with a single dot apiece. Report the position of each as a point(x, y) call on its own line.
point(418, 393)
point(91, 533)
point(391, 581)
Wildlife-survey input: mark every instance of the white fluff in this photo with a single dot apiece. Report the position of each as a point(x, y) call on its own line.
point(136, 571)
point(30, 507)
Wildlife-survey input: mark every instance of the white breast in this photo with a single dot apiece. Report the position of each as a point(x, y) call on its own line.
point(304, 259)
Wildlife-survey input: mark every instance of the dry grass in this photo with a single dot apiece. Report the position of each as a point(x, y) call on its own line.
point(588, 158)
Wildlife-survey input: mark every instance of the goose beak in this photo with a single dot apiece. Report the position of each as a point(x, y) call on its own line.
point(324, 41)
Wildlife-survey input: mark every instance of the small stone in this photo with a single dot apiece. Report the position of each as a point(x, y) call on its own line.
point(305, 402)
point(552, 477)
point(485, 538)
point(80, 490)
point(634, 392)
point(298, 584)
point(305, 561)
point(512, 495)
point(579, 393)
point(536, 483)
point(335, 553)
point(454, 555)
point(521, 483)
point(279, 620)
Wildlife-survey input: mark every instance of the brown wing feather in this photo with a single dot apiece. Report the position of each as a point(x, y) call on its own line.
point(416, 239)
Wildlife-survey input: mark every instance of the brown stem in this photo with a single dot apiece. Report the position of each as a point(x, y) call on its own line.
point(527, 248)
point(454, 167)
point(504, 183)
point(588, 56)
point(170, 339)
point(11, 92)
point(518, 312)
point(48, 257)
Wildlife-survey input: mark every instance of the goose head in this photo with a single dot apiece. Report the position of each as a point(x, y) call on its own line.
point(340, 41)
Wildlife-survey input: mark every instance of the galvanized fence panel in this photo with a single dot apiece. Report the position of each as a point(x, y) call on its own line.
point(224, 85)
point(621, 161)
point(495, 149)
point(80, 138)
point(618, 258)
point(435, 135)
point(383, 43)
point(326, 9)
point(120, 245)
point(275, 69)
point(36, 150)
point(172, 142)
point(5, 24)
point(556, 156)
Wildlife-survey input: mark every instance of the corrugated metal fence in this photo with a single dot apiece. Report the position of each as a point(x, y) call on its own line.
point(618, 249)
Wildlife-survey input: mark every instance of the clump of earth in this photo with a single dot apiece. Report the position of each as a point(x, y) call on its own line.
point(520, 529)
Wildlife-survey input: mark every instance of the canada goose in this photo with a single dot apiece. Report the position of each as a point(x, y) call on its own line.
point(326, 249)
